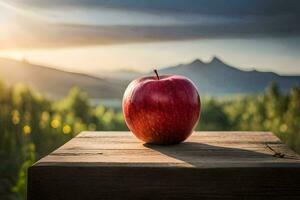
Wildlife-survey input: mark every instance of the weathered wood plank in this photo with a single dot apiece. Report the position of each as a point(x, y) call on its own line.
point(115, 165)
point(200, 150)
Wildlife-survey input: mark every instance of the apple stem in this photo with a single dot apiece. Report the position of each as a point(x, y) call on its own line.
point(155, 71)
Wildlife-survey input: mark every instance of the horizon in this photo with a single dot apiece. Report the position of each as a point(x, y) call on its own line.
point(116, 71)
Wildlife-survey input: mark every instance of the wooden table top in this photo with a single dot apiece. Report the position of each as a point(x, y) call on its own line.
point(200, 150)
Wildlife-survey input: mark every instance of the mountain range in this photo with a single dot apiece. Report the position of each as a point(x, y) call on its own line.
point(218, 78)
point(214, 78)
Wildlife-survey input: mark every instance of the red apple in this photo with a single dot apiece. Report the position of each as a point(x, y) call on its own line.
point(161, 109)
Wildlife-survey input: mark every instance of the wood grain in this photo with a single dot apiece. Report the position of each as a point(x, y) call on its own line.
point(209, 165)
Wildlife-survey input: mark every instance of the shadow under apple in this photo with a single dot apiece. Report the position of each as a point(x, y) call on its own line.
point(207, 155)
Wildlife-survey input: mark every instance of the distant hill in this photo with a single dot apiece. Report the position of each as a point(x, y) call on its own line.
point(214, 78)
point(57, 83)
point(218, 78)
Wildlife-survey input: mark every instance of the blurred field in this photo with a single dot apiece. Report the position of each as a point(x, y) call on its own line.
point(32, 125)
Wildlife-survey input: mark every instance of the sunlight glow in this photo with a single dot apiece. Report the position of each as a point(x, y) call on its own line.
point(16, 55)
point(261, 54)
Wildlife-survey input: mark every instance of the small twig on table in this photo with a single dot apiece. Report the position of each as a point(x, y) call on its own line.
point(276, 154)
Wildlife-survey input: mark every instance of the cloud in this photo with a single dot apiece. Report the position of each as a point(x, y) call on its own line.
point(41, 34)
point(211, 19)
point(223, 7)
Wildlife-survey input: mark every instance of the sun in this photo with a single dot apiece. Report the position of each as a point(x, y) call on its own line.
point(16, 55)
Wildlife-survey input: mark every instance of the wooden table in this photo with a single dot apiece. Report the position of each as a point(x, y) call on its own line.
point(209, 165)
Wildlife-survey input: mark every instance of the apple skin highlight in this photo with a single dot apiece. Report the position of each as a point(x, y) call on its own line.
point(161, 109)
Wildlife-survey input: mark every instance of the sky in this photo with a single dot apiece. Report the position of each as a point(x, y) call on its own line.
point(100, 36)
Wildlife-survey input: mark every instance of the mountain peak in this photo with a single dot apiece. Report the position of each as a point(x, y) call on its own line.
point(197, 61)
point(215, 59)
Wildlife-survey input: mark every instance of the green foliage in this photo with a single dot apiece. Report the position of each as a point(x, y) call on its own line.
point(32, 125)
point(272, 111)
point(213, 116)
